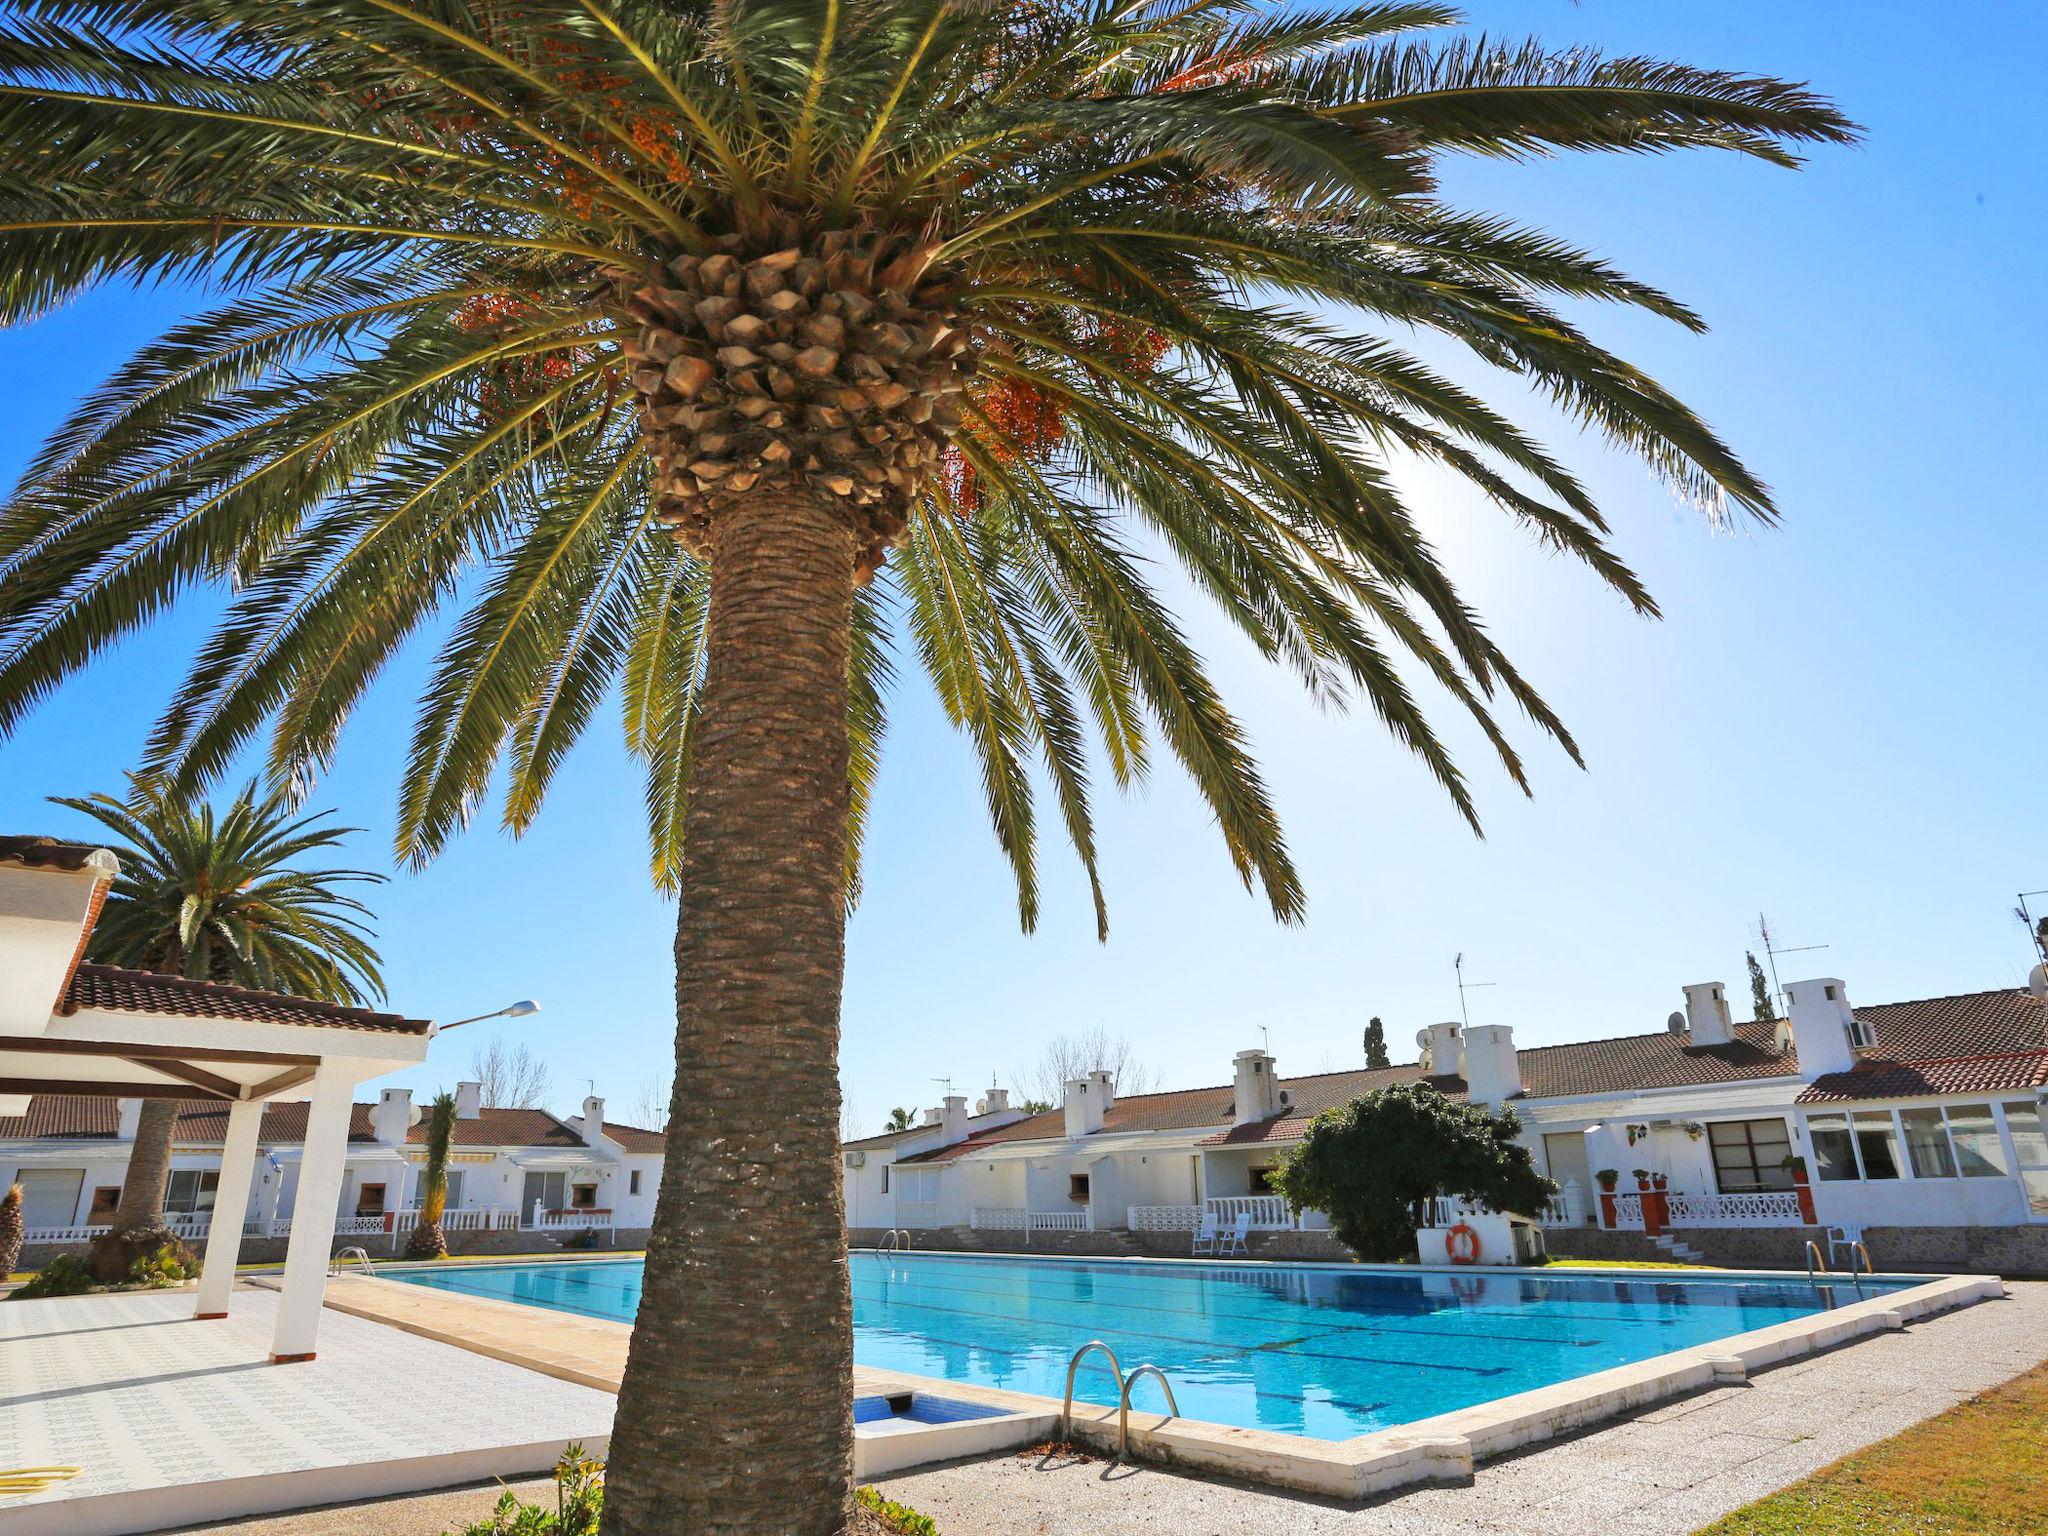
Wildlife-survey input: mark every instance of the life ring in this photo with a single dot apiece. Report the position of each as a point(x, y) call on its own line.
point(1462, 1244)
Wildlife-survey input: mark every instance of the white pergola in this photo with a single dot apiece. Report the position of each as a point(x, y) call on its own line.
point(101, 1032)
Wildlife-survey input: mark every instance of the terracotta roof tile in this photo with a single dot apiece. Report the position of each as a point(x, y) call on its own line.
point(123, 991)
point(634, 1139)
point(49, 853)
point(1961, 1074)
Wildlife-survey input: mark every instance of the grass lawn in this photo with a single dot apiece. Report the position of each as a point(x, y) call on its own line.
point(1981, 1469)
point(1619, 1264)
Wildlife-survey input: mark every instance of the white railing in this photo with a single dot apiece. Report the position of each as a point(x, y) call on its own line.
point(917, 1213)
point(1567, 1208)
point(191, 1226)
point(1768, 1208)
point(1269, 1213)
point(1163, 1218)
point(567, 1220)
point(63, 1234)
point(1628, 1212)
point(1058, 1221)
point(1000, 1218)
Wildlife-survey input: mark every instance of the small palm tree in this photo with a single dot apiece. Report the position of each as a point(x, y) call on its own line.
point(900, 1119)
point(427, 1240)
point(723, 351)
point(11, 1230)
point(215, 897)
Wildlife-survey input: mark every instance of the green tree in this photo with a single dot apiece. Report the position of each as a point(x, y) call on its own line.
point(216, 896)
point(1369, 1165)
point(1376, 1044)
point(725, 352)
point(901, 1119)
point(1760, 997)
point(428, 1241)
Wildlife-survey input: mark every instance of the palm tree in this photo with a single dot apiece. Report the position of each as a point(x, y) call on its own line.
point(900, 1119)
point(427, 1240)
point(215, 896)
point(631, 341)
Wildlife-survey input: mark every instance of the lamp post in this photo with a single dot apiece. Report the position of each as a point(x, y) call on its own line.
point(518, 1010)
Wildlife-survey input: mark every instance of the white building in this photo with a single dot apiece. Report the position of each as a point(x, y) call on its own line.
point(508, 1169)
point(1915, 1115)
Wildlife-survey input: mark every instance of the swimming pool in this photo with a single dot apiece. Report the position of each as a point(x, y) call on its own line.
point(1327, 1352)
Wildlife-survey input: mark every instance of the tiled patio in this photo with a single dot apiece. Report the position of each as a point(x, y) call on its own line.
point(176, 1422)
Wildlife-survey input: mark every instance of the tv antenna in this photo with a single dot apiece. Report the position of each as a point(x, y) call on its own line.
point(2035, 929)
point(945, 1082)
point(1265, 1040)
point(1773, 949)
point(1458, 965)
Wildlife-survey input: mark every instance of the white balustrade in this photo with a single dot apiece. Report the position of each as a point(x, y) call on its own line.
point(571, 1219)
point(1766, 1208)
point(1000, 1218)
point(920, 1214)
point(1628, 1212)
point(1058, 1221)
point(63, 1234)
point(1163, 1218)
point(1269, 1213)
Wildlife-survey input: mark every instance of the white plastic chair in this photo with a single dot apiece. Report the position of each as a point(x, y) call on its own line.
point(1233, 1241)
point(1844, 1238)
point(1206, 1236)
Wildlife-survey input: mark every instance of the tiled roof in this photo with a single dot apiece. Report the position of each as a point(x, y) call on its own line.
point(122, 991)
point(1960, 1074)
point(203, 1122)
point(1975, 1024)
point(50, 853)
point(890, 1138)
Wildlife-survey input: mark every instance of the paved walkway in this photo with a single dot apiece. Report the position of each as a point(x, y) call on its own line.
point(1664, 1472)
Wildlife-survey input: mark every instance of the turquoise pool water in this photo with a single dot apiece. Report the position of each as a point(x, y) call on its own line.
point(1324, 1352)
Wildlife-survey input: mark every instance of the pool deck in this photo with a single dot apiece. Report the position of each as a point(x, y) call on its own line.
point(1662, 1471)
point(1442, 1449)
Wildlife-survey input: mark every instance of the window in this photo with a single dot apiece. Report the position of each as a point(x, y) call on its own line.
point(105, 1201)
point(190, 1191)
point(2030, 1146)
point(1927, 1144)
point(1749, 1155)
point(1077, 1186)
point(583, 1198)
point(1979, 1152)
point(550, 1189)
point(633, 1182)
point(1262, 1181)
point(453, 1201)
point(370, 1200)
point(1877, 1139)
point(1834, 1154)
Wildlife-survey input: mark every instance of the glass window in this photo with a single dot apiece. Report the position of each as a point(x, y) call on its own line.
point(550, 1189)
point(2030, 1146)
point(1834, 1154)
point(1877, 1139)
point(1979, 1152)
point(633, 1182)
point(190, 1191)
point(1749, 1155)
point(1927, 1144)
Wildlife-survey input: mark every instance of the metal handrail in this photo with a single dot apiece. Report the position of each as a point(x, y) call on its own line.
point(1123, 1412)
point(1858, 1247)
point(889, 1243)
point(1815, 1259)
point(1073, 1365)
point(362, 1257)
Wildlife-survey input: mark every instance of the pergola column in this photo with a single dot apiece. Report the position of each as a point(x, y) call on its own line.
point(313, 1213)
point(230, 1207)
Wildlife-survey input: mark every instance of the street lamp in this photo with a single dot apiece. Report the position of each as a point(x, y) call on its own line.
point(518, 1010)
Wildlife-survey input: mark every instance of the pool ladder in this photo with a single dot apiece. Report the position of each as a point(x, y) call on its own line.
point(1817, 1264)
point(1124, 1385)
point(360, 1255)
point(890, 1243)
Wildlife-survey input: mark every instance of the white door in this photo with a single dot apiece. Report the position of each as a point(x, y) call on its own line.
point(1565, 1151)
point(49, 1196)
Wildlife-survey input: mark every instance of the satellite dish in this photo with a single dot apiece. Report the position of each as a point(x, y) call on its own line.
point(1676, 1023)
point(2037, 982)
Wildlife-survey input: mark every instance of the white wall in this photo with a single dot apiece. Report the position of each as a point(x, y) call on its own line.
point(1921, 1203)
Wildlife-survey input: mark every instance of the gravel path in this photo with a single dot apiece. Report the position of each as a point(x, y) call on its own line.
point(1664, 1472)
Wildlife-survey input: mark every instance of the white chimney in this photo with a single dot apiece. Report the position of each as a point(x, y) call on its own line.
point(392, 1116)
point(1255, 1088)
point(2037, 983)
point(935, 1117)
point(1493, 1073)
point(1083, 1105)
point(955, 1118)
point(1439, 1045)
point(469, 1101)
point(1706, 1013)
point(131, 1119)
point(994, 1102)
point(1107, 1086)
point(1821, 1020)
point(593, 1120)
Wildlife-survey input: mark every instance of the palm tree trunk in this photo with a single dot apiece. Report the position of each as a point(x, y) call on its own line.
point(149, 1169)
point(735, 1413)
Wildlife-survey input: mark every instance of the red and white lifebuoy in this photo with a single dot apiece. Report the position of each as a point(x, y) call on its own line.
point(1462, 1244)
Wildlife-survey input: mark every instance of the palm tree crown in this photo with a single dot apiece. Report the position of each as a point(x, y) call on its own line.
point(521, 295)
point(217, 897)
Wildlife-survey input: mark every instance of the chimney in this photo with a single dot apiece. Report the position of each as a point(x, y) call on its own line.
point(593, 1120)
point(1439, 1045)
point(1493, 1073)
point(935, 1117)
point(131, 1119)
point(1255, 1089)
point(469, 1101)
point(1821, 1020)
point(1706, 1013)
point(994, 1102)
point(955, 1118)
point(392, 1116)
point(2037, 983)
point(1107, 1086)
point(1083, 1104)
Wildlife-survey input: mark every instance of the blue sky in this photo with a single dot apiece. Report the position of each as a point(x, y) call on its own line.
point(1838, 721)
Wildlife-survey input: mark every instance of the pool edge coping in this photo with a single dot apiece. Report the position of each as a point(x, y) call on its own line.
point(1442, 1448)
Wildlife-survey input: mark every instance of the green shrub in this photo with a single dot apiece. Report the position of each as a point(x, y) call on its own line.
point(159, 1269)
point(579, 1499)
point(65, 1275)
point(907, 1521)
